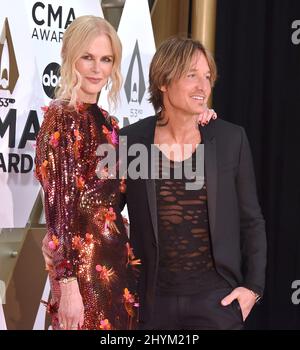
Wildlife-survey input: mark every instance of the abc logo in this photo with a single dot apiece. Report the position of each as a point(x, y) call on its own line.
point(51, 78)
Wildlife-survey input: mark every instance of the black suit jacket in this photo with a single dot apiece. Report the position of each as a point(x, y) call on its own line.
point(237, 228)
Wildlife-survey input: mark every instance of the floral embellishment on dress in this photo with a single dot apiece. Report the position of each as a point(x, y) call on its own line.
point(114, 137)
point(76, 243)
point(80, 182)
point(107, 133)
point(102, 173)
point(105, 274)
point(128, 297)
point(54, 139)
point(111, 136)
point(115, 131)
point(77, 135)
point(43, 170)
point(131, 259)
point(110, 215)
point(129, 302)
point(114, 123)
point(123, 185)
point(80, 107)
point(105, 325)
point(77, 143)
point(51, 308)
point(88, 238)
point(64, 268)
point(44, 109)
point(54, 243)
point(110, 226)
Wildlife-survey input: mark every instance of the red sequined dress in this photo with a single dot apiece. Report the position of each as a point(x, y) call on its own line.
point(85, 227)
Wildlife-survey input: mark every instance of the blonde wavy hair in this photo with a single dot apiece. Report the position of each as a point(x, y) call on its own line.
point(75, 40)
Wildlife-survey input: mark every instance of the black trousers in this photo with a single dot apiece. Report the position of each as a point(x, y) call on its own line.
point(202, 311)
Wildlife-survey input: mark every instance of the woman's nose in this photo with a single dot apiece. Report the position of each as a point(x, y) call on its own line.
point(96, 67)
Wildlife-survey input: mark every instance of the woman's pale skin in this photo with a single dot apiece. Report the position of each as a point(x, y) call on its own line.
point(94, 66)
point(184, 99)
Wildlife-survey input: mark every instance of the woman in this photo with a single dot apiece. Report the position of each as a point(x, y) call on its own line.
point(91, 256)
point(93, 276)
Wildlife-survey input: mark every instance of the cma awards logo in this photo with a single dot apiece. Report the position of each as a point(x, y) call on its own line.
point(50, 21)
point(9, 72)
point(51, 78)
point(134, 85)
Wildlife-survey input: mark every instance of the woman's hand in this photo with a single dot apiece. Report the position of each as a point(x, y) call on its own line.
point(71, 309)
point(205, 117)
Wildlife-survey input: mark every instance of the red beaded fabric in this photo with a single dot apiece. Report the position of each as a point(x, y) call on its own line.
point(85, 228)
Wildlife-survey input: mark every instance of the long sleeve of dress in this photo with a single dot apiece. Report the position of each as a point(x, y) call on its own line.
point(59, 168)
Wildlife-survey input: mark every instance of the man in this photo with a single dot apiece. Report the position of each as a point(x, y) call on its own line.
point(203, 251)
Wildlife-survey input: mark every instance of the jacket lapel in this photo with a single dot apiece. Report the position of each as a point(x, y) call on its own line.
point(211, 171)
point(147, 139)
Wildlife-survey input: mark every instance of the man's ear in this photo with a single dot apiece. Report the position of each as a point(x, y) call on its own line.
point(163, 88)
